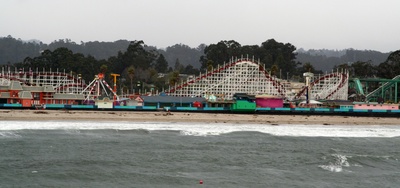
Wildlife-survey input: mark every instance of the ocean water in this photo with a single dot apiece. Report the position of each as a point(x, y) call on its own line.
point(172, 154)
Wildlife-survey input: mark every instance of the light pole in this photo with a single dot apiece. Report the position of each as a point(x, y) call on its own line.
point(308, 76)
point(121, 80)
point(138, 86)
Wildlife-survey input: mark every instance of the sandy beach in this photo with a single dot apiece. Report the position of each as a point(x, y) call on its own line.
point(140, 116)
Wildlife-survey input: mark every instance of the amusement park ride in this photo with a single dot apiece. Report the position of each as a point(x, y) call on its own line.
point(375, 89)
point(239, 75)
point(246, 75)
point(99, 87)
point(53, 87)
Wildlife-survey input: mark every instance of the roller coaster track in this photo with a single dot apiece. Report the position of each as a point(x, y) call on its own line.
point(383, 86)
point(358, 86)
point(330, 90)
point(59, 81)
point(257, 69)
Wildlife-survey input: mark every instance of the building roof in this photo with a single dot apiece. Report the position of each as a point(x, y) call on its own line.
point(49, 89)
point(4, 88)
point(25, 95)
point(68, 96)
point(338, 102)
point(171, 99)
point(241, 96)
point(4, 95)
point(32, 88)
point(311, 102)
point(15, 85)
point(268, 96)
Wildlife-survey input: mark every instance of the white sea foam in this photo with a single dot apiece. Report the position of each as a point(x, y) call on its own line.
point(332, 168)
point(340, 162)
point(9, 134)
point(206, 129)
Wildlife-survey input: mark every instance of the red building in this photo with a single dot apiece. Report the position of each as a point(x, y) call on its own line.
point(265, 101)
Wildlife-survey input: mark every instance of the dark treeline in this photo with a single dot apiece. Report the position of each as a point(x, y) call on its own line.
point(16, 50)
point(150, 67)
point(139, 66)
point(277, 57)
point(325, 60)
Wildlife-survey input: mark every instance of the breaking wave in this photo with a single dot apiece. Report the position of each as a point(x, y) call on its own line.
point(209, 129)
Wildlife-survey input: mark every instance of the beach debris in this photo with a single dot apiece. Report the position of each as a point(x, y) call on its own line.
point(168, 113)
point(40, 112)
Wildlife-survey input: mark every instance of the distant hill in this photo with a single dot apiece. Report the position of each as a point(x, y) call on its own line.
point(325, 59)
point(16, 50)
point(185, 54)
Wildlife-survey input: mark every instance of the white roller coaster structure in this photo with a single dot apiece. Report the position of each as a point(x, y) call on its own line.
point(238, 76)
point(60, 82)
point(245, 75)
point(241, 75)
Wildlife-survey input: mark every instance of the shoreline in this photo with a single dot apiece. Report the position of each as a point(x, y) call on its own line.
point(162, 116)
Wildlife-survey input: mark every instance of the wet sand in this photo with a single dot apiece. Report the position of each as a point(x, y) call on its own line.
point(160, 116)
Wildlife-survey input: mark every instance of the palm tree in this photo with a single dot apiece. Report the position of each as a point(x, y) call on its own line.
point(274, 70)
point(103, 69)
point(308, 67)
point(174, 78)
point(131, 74)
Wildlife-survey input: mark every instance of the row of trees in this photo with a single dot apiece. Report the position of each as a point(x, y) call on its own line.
point(277, 57)
point(366, 69)
point(16, 50)
point(135, 64)
point(281, 58)
point(143, 64)
point(140, 63)
point(325, 60)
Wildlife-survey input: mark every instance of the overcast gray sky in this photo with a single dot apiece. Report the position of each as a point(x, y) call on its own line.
point(309, 24)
